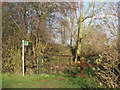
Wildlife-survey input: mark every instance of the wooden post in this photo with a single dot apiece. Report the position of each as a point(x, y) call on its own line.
point(59, 68)
point(70, 59)
point(23, 67)
point(37, 65)
point(82, 67)
point(40, 64)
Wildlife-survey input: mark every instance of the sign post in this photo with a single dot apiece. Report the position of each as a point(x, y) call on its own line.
point(23, 66)
point(23, 57)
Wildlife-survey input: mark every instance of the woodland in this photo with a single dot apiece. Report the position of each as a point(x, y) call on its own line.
point(88, 31)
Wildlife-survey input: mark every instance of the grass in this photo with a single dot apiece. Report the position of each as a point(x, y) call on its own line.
point(46, 81)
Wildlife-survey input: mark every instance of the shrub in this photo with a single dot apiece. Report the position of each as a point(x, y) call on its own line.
point(84, 82)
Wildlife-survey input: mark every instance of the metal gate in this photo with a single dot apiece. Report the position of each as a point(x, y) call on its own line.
point(64, 65)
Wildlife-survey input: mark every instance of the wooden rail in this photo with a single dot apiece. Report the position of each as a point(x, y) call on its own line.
point(65, 55)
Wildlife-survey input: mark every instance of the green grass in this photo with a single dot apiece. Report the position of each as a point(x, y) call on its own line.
point(46, 81)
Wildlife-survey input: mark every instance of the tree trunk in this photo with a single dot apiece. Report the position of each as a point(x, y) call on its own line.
point(79, 37)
